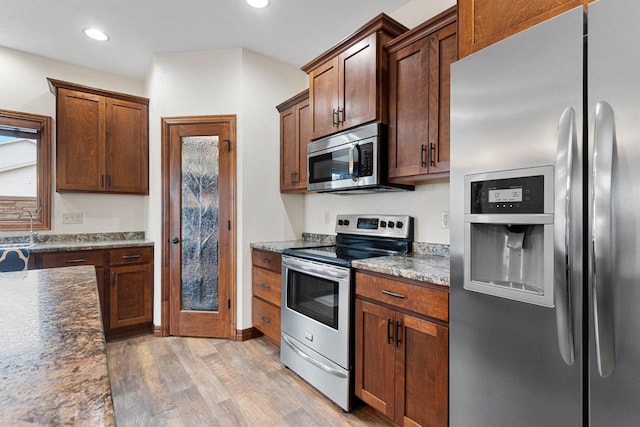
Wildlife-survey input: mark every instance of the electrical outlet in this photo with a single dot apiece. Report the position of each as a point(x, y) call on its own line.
point(444, 219)
point(327, 217)
point(72, 217)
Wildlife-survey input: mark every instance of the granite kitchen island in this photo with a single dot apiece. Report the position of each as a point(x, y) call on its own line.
point(53, 365)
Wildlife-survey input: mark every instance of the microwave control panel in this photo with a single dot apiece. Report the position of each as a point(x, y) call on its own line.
point(366, 159)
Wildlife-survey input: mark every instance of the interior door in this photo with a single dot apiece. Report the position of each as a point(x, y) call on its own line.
point(199, 240)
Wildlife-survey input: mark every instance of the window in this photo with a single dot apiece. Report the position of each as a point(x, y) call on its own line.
point(25, 171)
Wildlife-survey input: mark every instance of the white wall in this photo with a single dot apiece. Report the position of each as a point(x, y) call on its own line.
point(232, 81)
point(23, 87)
point(415, 12)
point(428, 201)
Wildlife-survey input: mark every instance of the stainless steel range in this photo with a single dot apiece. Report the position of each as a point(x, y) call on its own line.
point(318, 300)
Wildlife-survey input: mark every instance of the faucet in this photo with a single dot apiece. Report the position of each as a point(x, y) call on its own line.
point(32, 233)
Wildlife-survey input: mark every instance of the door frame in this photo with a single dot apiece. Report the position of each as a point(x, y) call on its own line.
point(167, 122)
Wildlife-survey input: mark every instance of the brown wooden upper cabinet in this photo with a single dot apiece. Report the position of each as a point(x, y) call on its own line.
point(419, 99)
point(484, 22)
point(347, 84)
point(102, 140)
point(295, 134)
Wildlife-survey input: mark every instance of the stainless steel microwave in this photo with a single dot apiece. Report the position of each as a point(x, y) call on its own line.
point(353, 161)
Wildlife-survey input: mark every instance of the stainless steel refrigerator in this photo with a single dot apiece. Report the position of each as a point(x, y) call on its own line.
point(545, 225)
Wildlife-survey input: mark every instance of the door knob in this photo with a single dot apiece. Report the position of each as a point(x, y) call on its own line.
point(175, 240)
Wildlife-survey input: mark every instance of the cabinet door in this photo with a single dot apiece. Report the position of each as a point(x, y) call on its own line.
point(409, 110)
point(130, 295)
point(484, 22)
point(127, 147)
point(374, 356)
point(323, 95)
point(288, 149)
point(304, 138)
point(421, 373)
point(357, 83)
point(443, 51)
point(80, 141)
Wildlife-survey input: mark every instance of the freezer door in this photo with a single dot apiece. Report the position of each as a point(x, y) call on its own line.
point(614, 285)
point(508, 103)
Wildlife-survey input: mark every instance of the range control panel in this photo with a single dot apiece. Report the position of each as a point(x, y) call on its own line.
point(397, 226)
point(522, 195)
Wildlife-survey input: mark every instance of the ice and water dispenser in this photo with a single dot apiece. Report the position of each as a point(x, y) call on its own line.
point(509, 234)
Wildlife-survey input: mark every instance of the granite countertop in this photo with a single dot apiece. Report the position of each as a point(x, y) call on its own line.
point(288, 244)
point(424, 268)
point(53, 364)
point(88, 245)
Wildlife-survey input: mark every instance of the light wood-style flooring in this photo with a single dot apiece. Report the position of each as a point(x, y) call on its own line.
point(207, 382)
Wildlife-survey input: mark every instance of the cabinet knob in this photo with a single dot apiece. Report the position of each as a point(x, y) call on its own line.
point(265, 320)
point(264, 285)
point(175, 240)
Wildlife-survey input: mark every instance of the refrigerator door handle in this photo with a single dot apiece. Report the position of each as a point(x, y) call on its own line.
point(601, 231)
point(567, 147)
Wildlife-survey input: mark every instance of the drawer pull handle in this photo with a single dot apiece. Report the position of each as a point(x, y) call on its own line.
point(264, 285)
point(74, 261)
point(266, 260)
point(130, 256)
point(265, 320)
point(393, 294)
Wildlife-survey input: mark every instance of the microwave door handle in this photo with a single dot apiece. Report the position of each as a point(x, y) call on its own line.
point(351, 161)
point(352, 172)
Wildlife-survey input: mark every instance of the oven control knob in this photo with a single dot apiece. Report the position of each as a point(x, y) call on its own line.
point(391, 224)
point(346, 222)
point(383, 224)
point(399, 224)
point(340, 222)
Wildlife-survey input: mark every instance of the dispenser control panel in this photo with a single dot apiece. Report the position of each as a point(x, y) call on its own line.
point(524, 195)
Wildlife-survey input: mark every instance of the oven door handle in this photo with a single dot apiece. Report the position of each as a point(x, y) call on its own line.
point(311, 360)
point(303, 266)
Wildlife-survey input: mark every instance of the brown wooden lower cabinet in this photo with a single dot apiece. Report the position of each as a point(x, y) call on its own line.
point(265, 311)
point(124, 278)
point(401, 357)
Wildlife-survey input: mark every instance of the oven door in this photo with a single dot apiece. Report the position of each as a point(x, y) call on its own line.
point(316, 307)
point(343, 166)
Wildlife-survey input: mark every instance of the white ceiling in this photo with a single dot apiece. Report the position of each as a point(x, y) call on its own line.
point(293, 31)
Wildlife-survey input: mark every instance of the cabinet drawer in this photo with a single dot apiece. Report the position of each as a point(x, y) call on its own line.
point(126, 256)
point(67, 259)
point(266, 319)
point(419, 299)
point(265, 259)
point(266, 285)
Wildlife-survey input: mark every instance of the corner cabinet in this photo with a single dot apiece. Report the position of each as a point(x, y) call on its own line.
point(124, 278)
point(266, 289)
point(295, 135)
point(419, 99)
point(102, 141)
point(484, 22)
point(402, 349)
point(347, 84)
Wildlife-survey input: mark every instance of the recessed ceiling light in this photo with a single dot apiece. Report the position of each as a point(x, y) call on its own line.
point(96, 34)
point(258, 3)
